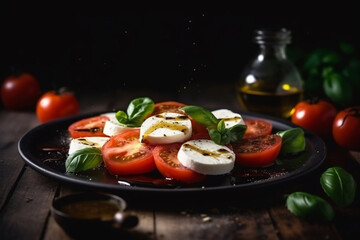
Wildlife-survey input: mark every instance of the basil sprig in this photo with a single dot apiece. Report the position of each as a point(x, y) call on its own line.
point(339, 185)
point(216, 127)
point(293, 141)
point(306, 205)
point(137, 111)
point(83, 159)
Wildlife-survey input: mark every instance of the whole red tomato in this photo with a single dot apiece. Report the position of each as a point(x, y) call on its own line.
point(53, 105)
point(346, 128)
point(316, 116)
point(20, 92)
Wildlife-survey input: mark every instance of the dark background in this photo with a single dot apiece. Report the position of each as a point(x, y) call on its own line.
point(145, 44)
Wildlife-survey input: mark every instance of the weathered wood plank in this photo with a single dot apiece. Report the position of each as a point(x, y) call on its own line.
point(12, 126)
point(214, 223)
point(26, 212)
point(292, 227)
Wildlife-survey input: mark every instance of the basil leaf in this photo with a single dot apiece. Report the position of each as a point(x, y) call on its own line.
point(293, 141)
point(122, 117)
point(201, 115)
point(306, 205)
point(237, 132)
point(137, 111)
point(83, 159)
point(339, 185)
point(215, 135)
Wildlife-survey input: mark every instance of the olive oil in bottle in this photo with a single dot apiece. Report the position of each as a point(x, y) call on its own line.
point(270, 84)
point(276, 104)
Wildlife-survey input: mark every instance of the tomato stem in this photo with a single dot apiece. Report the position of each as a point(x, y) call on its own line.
point(354, 111)
point(62, 90)
point(314, 100)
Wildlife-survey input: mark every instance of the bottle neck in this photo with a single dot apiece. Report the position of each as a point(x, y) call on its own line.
point(277, 51)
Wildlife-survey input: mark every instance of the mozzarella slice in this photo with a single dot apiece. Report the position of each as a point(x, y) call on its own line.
point(230, 118)
point(86, 142)
point(113, 127)
point(165, 128)
point(110, 115)
point(206, 157)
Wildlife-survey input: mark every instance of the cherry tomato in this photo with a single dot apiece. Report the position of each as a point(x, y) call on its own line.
point(256, 128)
point(167, 163)
point(124, 154)
point(54, 105)
point(20, 92)
point(346, 128)
point(260, 151)
point(168, 106)
point(316, 116)
point(88, 127)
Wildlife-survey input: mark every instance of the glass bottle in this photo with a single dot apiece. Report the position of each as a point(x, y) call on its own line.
point(270, 84)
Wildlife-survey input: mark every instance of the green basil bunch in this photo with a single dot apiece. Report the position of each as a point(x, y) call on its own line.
point(331, 72)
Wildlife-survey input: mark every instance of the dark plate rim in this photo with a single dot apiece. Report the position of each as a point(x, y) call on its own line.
point(315, 160)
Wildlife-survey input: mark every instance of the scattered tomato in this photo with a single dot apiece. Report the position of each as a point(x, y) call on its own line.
point(316, 116)
point(167, 163)
point(124, 154)
point(346, 128)
point(20, 92)
point(88, 127)
point(260, 151)
point(53, 105)
point(257, 127)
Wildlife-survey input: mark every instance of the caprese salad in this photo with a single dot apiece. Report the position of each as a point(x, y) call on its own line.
point(182, 142)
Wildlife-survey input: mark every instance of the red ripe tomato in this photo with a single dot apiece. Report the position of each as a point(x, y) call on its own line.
point(20, 92)
point(124, 154)
point(260, 151)
point(198, 131)
point(88, 127)
point(167, 163)
point(316, 116)
point(54, 105)
point(346, 128)
point(256, 128)
point(168, 106)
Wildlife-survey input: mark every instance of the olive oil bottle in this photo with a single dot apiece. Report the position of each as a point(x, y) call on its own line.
point(270, 83)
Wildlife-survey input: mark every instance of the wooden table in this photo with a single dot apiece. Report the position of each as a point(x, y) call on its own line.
point(26, 195)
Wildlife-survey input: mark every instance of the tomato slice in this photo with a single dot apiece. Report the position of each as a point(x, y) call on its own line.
point(198, 131)
point(257, 152)
point(124, 154)
point(88, 127)
point(256, 128)
point(167, 163)
point(168, 106)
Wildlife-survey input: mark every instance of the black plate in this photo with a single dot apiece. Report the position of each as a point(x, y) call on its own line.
point(41, 146)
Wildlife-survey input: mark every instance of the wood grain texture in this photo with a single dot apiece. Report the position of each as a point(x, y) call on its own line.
point(228, 223)
point(13, 126)
point(27, 210)
point(292, 227)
